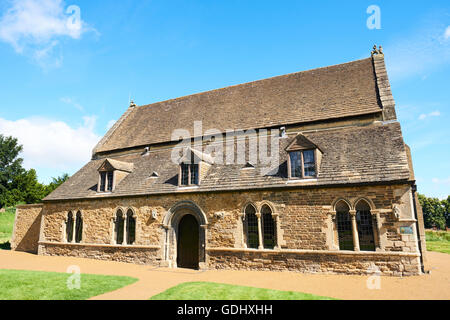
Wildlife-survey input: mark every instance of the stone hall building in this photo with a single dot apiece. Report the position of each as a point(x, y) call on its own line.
point(303, 172)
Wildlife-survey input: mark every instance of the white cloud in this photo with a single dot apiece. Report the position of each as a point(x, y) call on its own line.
point(32, 27)
point(423, 116)
point(419, 53)
point(50, 144)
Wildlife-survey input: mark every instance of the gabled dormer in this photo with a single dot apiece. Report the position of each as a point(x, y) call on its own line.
point(304, 158)
point(111, 172)
point(194, 166)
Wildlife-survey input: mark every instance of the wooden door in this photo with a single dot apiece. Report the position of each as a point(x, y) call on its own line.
point(188, 243)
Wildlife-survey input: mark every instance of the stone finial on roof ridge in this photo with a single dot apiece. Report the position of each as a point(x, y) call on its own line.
point(383, 86)
point(377, 51)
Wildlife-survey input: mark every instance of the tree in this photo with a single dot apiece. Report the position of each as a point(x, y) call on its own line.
point(447, 211)
point(17, 185)
point(10, 168)
point(434, 212)
point(56, 182)
point(30, 189)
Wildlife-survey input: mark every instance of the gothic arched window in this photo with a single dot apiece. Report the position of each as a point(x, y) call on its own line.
point(268, 226)
point(120, 223)
point(131, 227)
point(251, 226)
point(69, 227)
point(365, 226)
point(79, 228)
point(344, 226)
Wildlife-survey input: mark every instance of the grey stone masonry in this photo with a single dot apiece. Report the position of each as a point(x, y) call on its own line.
point(384, 88)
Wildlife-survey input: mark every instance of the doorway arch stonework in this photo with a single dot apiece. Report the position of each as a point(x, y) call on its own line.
point(171, 229)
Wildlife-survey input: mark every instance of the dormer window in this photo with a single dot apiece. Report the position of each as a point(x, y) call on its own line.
point(304, 158)
point(111, 172)
point(189, 174)
point(194, 173)
point(110, 180)
point(303, 164)
point(194, 166)
point(102, 181)
point(106, 181)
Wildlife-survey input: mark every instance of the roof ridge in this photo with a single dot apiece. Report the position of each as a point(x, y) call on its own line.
point(251, 82)
point(111, 130)
point(332, 92)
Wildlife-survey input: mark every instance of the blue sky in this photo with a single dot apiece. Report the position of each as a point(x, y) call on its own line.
point(61, 87)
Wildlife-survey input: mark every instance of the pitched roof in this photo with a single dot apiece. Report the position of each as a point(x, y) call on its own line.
point(111, 164)
point(374, 153)
point(326, 93)
point(300, 142)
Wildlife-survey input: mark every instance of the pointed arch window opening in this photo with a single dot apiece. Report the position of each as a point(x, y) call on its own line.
point(131, 227)
point(69, 227)
point(125, 228)
point(79, 228)
point(268, 224)
point(251, 225)
point(260, 228)
point(364, 222)
point(120, 223)
point(344, 226)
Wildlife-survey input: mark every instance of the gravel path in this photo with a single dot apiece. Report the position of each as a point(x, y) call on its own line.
point(155, 280)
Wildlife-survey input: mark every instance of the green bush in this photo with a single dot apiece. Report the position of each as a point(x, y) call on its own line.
point(438, 236)
point(435, 212)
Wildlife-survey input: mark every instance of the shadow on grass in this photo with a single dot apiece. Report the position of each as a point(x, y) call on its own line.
point(5, 246)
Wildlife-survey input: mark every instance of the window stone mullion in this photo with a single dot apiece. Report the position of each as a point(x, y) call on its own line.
point(125, 230)
point(277, 231)
point(355, 230)
point(74, 225)
point(260, 236)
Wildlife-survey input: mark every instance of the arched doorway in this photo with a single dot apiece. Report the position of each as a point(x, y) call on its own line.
point(188, 242)
point(180, 238)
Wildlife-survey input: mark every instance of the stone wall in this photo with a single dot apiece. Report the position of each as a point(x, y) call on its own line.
point(390, 264)
point(27, 225)
point(304, 223)
point(131, 254)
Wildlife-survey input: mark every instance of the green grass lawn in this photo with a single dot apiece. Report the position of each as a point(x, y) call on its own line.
point(36, 285)
point(438, 241)
point(217, 291)
point(6, 227)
